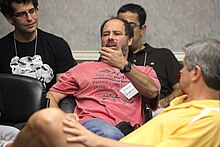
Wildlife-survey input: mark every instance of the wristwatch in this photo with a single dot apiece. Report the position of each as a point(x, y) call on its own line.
point(127, 68)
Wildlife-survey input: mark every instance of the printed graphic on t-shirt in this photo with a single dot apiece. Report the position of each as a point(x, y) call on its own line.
point(112, 80)
point(32, 67)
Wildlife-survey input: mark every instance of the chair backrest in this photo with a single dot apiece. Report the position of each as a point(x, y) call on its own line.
point(20, 97)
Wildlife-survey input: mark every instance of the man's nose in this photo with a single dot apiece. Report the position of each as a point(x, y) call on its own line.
point(111, 36)
point(28, 17)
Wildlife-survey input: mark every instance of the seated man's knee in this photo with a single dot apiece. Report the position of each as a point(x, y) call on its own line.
point(45, 118)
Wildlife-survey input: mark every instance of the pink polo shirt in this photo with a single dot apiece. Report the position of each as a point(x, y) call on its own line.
point(96, 86)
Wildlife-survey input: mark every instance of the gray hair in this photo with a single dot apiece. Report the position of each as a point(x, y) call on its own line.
point(206, 54)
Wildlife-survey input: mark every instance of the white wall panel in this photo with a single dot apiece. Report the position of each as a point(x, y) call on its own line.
point(171, 23)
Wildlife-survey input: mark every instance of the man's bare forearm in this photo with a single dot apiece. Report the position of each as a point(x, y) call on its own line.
point(164, 102)
point(54, 98)
point(143, 83)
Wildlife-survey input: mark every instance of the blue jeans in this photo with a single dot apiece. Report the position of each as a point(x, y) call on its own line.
point(103, 128)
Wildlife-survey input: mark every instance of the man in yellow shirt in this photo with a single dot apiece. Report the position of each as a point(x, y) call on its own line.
point(192, 120)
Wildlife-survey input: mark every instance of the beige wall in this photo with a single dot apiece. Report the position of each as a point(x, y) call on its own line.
point(171, 23)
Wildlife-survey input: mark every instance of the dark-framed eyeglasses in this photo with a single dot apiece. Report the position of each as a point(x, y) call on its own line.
point(24, 14)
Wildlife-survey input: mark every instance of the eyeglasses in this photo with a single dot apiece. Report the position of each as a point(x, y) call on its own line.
point(24, 14)
point(133, 25)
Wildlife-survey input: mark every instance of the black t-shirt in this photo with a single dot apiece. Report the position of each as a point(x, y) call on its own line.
point(53, 50)
point(163, 62)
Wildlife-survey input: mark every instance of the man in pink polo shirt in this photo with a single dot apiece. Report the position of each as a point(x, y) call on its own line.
point(110, 91)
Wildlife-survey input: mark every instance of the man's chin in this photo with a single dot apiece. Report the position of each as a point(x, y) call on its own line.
point(30, 30)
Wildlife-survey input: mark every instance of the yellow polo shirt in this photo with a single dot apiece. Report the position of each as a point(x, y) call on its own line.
point(190, 124)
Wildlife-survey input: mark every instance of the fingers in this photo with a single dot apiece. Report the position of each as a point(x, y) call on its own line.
point(163, 103)
point(109, 54)
point(79, 139)
point(106, 49)
point(72, 116)
point(71, 131)
point(69, 123)
point(72, 128)
point(76, 135)
point(105, 52)
point(105, 55)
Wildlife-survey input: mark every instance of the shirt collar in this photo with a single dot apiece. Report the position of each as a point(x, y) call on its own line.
point(177, 103)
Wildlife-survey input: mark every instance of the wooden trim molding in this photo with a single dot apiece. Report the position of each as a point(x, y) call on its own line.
point(94, 55)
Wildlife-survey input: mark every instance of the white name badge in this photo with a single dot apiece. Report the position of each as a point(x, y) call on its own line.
point(129, 90)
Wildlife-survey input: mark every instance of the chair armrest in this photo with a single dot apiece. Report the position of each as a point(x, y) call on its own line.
point(68, 104)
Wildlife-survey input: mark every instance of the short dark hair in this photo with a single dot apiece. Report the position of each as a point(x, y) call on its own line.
point(134, 8)
point(129, 31)
point(6, 5)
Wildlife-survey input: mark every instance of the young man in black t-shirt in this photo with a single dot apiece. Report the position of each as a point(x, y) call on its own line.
point(30, 51)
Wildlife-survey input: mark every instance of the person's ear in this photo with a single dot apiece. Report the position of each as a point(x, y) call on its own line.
point(143, 29)
point(130, 41)
point(9, 19)
point(197, 73)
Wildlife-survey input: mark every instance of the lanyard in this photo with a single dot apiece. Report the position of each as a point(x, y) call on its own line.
point(35, 46)
point(145, 58)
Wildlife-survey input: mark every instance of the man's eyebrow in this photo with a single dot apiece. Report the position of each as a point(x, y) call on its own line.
point(25, 11)
point(112, 31)
point(132, 22)
point(117, 31)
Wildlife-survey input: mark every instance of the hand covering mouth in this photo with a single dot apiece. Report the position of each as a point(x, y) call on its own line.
point(111, 44)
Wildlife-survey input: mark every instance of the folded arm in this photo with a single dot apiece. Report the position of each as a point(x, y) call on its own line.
point(55, 97)
point(141, 81)
point(164, 102)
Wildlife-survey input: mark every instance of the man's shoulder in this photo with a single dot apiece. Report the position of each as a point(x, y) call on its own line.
point(48, 35)
point(149, 48)
point(91, 63)
point(7, 37)
point(94, 64)
point(158, 52)
point(88, 65)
